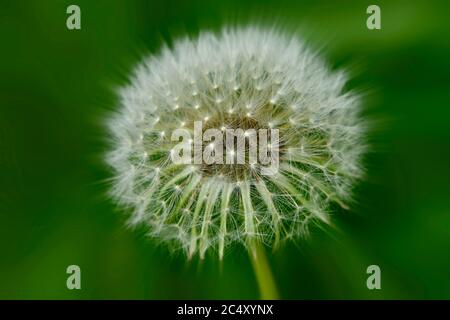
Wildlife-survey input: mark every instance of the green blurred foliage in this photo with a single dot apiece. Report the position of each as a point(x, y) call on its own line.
point(57, 85)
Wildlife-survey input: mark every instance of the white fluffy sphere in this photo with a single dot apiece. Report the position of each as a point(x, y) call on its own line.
point(251, 77)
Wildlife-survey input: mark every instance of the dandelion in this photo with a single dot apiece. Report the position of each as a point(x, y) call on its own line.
point(249, 78)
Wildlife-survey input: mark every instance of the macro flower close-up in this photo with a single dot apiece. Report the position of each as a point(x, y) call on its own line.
point(224, 155)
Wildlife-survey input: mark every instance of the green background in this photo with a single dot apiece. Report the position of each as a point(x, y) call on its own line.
point(56, 87)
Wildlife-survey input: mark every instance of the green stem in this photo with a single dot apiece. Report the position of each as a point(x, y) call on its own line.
point(266, 283)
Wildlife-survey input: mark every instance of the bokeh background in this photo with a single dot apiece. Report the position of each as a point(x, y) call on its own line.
point(56, 86)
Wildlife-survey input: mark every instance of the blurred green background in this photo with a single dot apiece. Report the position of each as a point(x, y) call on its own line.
point(57, 85)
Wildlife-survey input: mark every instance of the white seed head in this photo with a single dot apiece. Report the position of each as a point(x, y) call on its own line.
point(286, 86)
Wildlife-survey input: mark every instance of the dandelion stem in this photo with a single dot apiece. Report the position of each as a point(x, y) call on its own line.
point(266, 282)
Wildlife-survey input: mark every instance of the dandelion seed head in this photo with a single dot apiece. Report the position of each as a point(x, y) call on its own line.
point(249, 78)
